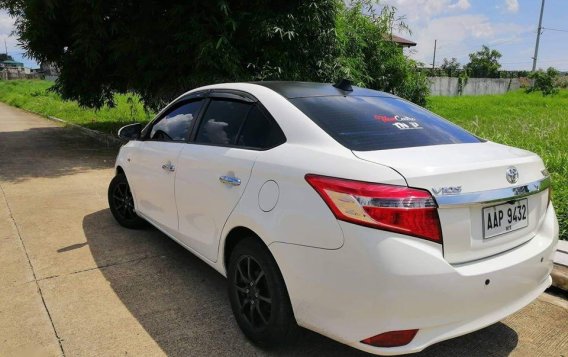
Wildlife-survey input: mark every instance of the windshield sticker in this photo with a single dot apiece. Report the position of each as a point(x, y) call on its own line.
point(400, 122)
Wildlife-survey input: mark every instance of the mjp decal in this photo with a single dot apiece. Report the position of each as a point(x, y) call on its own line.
point(410, 125)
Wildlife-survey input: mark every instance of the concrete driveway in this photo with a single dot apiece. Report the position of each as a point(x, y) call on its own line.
point(74, 283)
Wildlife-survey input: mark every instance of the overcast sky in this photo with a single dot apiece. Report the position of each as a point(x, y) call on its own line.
point(460, 26)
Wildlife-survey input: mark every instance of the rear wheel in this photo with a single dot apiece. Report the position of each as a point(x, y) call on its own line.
point(121, 203)
point(258, 296)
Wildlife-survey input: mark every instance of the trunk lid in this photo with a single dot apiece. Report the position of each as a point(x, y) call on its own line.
point(470, 184)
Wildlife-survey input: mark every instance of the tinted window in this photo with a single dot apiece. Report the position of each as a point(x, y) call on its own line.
point(175, 125)
point(260, 132)
point(379, 123)
point(222, 121)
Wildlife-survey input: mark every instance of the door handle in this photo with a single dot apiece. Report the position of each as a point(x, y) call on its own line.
point(230, 180)
point(169, 167)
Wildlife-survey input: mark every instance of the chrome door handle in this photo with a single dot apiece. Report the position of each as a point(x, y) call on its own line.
point(230, 180)
point(169, 167)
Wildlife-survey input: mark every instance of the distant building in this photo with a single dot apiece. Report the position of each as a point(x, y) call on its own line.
point(10, 69)
point(11, 64)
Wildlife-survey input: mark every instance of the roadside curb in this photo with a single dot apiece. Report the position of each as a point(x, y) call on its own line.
point(104, 138)
point(560, 269)
point(560, 277)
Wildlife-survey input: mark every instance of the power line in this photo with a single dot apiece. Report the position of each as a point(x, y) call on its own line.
point(497, 44)
point(546, 61)
point(549, 29)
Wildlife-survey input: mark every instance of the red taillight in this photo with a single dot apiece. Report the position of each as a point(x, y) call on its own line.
point(397, 209)
point(391, 339)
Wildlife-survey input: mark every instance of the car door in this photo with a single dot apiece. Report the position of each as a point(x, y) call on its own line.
point(154, 163)
point(216, 168)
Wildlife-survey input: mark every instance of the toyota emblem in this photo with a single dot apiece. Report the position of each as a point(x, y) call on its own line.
point(512, 175)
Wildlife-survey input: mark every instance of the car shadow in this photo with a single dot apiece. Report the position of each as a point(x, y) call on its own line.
point(181, 302)
point(50, 152)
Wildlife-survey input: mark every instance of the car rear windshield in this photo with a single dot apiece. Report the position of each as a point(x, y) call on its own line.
point(380, 123)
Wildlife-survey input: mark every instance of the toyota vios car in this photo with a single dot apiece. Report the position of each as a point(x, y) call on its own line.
point(347, 211)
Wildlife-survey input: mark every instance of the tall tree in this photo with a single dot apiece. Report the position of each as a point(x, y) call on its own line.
point(450, 66)
point(159, 48)
point(370, 58)
point(484, 63)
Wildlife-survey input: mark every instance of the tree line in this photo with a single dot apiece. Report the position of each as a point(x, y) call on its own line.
point(485, 64)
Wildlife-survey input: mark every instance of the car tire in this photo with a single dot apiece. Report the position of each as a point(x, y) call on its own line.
point(121, 203)
point(258, 296)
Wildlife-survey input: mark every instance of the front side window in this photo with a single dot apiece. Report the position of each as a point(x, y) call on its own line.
point(380, 123)
point(176, 124)
point(222, 121)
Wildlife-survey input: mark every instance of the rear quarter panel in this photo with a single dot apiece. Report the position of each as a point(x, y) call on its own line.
point(301, 216)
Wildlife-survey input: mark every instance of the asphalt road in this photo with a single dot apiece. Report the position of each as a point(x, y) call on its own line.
point(74, 283)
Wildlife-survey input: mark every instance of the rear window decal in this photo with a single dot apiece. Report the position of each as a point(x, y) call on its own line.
point(405, 126)
point(385, 118)
point(401, 122)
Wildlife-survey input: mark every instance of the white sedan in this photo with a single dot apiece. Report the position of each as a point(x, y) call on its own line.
point(347, 211)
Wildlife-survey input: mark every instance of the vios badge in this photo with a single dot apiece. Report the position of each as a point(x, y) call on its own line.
point(512, 174)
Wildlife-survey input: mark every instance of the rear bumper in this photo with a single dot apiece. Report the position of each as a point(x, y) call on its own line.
point(380, 281)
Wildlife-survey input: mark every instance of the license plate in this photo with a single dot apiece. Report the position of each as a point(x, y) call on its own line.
point(505, 218)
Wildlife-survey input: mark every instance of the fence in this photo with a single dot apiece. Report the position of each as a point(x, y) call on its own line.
point(450, 86)
point(16, 73)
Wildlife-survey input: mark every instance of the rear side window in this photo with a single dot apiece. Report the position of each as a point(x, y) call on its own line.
point(260, 132)
point(222, 121)
point(380, 123)
point(175, 125)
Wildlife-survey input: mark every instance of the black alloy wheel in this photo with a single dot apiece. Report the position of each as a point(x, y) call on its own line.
point(121, 203)
point(254, 298)
point(258, 295)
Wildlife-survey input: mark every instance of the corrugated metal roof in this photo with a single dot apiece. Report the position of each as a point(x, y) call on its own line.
point(402, 41)
point(12, 63)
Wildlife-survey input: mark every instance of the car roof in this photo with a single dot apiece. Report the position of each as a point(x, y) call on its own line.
point(291, 90)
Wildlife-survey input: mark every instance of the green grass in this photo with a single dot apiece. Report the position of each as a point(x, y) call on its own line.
point(529, 121)
point(33, 95)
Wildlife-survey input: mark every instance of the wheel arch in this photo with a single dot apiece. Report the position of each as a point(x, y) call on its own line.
point(236, 235)
point(240, 233)
point(119, 170)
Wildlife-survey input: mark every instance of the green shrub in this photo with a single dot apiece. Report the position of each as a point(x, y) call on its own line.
point(562, 81)
point(544, 81)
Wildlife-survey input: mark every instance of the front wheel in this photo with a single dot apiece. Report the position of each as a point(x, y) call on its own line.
point(121, 203)
point(258, 296)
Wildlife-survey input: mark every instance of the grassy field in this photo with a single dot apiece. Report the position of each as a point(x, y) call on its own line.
point(34, 95)
point(529, 121)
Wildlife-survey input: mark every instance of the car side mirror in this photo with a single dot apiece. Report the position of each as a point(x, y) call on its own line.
point(130, 132)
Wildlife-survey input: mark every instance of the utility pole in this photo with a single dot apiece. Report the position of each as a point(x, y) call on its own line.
point(5, 47)
point(538, 36)
point(434, 59)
